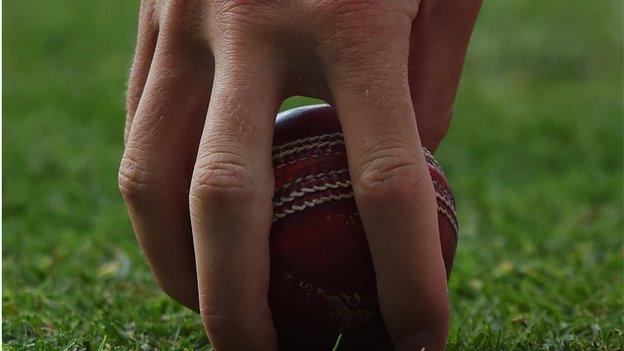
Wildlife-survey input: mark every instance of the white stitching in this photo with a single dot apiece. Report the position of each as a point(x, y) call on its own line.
point(445, 191)
point(317, 145)
point(320, 200)
point(317, 142)
point(450, 214)
point(308, 204)
point(431, 159)
point(450, 219)
point(284, 164)
point(297, 194)
point(312, 176)
point(335, 185)
point(281, 151)
point(448, 204)
point(322, 145)
point(306, 140)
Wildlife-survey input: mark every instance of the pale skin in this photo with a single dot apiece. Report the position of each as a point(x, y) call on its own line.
point(207, 81)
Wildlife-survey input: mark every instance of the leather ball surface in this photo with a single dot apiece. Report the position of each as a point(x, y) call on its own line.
point(322, 277)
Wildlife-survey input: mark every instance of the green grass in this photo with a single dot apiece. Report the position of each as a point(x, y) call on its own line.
point(534, 154)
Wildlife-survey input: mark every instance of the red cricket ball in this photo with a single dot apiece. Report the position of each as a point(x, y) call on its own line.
point(322, 278)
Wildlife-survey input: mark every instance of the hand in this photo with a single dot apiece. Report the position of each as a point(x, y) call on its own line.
point(207, 80)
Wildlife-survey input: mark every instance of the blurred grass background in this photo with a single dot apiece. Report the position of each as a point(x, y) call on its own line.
point(534, 154)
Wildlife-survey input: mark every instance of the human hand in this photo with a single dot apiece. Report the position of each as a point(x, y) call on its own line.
point(207, 81)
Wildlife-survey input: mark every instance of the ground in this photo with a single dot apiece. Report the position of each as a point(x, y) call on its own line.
point(534, 155)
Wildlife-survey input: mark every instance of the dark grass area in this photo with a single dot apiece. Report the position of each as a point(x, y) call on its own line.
point(534, 155)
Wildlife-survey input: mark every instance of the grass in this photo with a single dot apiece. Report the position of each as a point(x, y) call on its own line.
point(534, 154)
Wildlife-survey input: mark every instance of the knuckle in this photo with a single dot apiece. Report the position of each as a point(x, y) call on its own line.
point(217, 314)
point(366, 41)
point(182, 19)
point(221, 316)
point(243, 6)
point(135, 181)
point(239, 27)
point(242, 13)
point(215, 322)
point(390, 174)
point(224, 180)
point(356, 23)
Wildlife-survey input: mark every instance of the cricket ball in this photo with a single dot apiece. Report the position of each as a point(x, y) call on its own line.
point(322, 282)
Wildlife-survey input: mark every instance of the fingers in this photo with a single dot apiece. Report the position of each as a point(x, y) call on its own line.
point(437, 52)
point(144, 52)
point(231, 200)
point(155, 171)
point(391, 183)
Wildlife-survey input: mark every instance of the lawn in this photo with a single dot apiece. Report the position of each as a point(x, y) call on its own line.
point(535, 156)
